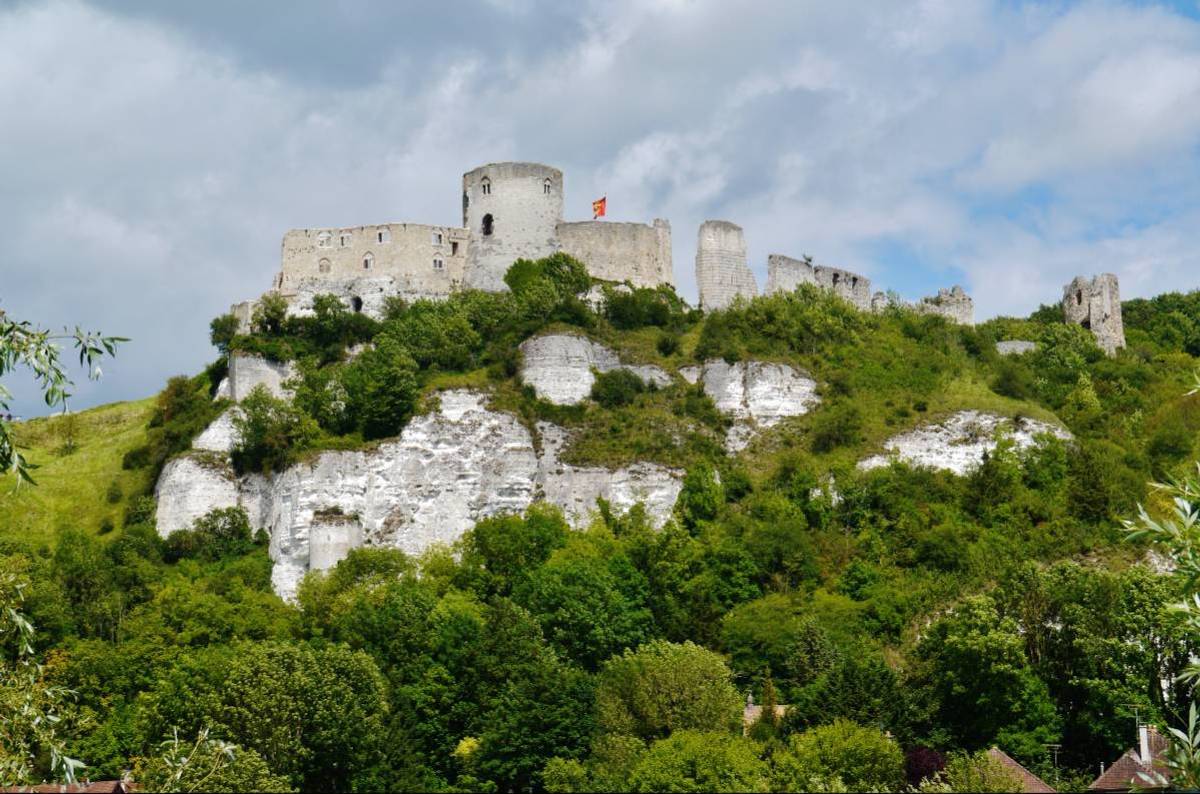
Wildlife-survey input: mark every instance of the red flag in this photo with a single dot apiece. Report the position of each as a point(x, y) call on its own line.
point(598, 207)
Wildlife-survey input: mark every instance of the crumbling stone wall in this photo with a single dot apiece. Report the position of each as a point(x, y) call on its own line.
point(721, 271)
point(785, 274)
point(1096, 305)
point(633, 252)
point(954, 304)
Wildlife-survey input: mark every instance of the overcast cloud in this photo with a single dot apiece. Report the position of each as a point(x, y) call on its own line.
point(153, 154)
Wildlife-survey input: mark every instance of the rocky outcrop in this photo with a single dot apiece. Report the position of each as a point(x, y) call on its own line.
point(191, 486)
point(220, 436)
point(447, 470)
point(246, 372)
point(755, 393)
point(560, 367)
point(1015, 347)
point(576, 489)
point(959, 443)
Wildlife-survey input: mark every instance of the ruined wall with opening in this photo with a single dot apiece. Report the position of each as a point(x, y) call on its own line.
point(1096, 305)
point(785, 274)
point(721, 271)
point(954, 304)
point(634, 252)
point(363, 265)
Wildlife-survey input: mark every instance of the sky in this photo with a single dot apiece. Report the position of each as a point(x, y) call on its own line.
point(152, 154)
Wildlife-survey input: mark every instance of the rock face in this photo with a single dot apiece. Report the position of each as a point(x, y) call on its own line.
point(755, 393)
point(246, 372)
point(189, 487)
point(1015, 347)
point(446, 471)
point(219, 436)
point(559, 367)
point(959, 443)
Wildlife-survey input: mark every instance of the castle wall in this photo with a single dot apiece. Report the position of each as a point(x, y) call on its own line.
point(785, 274)
point(635, 252)
point(954, 304)
point(721, 271)
point(510, 211)
point(1096, 305)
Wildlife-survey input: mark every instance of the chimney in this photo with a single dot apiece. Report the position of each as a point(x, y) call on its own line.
point(1144, 744)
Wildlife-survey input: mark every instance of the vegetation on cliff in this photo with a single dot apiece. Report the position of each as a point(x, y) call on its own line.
point(906, 618)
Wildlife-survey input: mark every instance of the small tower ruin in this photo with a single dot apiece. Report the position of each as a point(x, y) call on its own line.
point(721, 270)
point(1096, 305)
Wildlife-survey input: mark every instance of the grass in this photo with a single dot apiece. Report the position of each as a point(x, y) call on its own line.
point(73, 481)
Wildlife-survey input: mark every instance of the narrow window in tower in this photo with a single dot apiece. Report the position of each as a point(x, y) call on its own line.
point(356, 304)
point(344, 240)
point(486, 186)
point(1079, 298)
point(546, 187)
point(437, 238)
point(323, 239)
point(438, 264)
point(368, 260)
point(453, 248)
point(384, 235)
point(323, 266)
point(487, 224)
point(836, 278)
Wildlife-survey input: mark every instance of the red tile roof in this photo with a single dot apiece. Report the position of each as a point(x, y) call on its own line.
point(82, 787)
point(1128, 770)
point(1030, 783)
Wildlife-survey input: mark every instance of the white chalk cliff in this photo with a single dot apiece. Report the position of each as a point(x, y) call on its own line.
point(959, 443)
point(756, 394)
point(560, 367)
point(446, 470)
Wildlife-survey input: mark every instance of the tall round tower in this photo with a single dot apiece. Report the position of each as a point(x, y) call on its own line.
point(511, 211)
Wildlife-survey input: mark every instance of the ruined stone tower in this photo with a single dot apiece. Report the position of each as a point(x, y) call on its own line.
point(510, 211)
point(1096, 305)
point(721, 270)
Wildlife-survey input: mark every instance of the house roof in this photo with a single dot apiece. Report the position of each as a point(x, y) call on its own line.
point(1126, 773)
point(82, 787)
point(1030, 783)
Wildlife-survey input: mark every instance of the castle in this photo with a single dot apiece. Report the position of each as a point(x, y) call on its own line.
point(722, 276)
point(515, 210)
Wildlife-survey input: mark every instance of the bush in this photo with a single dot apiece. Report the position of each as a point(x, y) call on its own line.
point(222, 330)
point(270, 432)
point(436, 333)
point(863, 759)
point(220, 533)
point(140, 511)
point(381, 388)
point(643, 306)
point(617, 388)
point(114, 493)
point(269, 315)
point(837, 426)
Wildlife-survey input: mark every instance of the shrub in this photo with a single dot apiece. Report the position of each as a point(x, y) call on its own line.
point(863, 759)
point(222, 330)
point(668, 344)
point(220, 533)
point(270, 433)
point(140, 511)
point(436, 333)
point(114, 493)
point(381, 388)
point(617, 388)
point(269, 315)
point(837, 426)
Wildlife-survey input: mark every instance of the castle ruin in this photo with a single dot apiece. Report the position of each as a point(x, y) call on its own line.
point(785, 274)
point(722, 274)
point(1096, 305)
point(509, 211)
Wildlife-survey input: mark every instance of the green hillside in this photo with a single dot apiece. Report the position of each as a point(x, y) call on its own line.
point(901, 614)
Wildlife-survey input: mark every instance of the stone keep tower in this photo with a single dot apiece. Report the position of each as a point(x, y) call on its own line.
point(721, 270)
point(1096, 305)
point(511, 211)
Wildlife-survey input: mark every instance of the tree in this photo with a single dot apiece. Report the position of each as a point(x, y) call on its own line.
point(972, 773)
point(269, 315)
point(501, 552)
point(222, 330)
point(663, 687)
point(863, 759)
point(382, 388)
point(32, 711)
point(981, 679)
point(208, 765)
point(270, 433)
point(25, 345)
point(697, 761)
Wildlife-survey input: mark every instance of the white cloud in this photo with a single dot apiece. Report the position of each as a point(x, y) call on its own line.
point(149, 176)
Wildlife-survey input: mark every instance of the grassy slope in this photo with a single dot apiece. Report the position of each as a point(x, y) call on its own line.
point(72, 488)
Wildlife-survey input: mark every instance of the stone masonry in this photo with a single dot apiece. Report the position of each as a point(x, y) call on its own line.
point(721, 271)
point(1096, 305)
